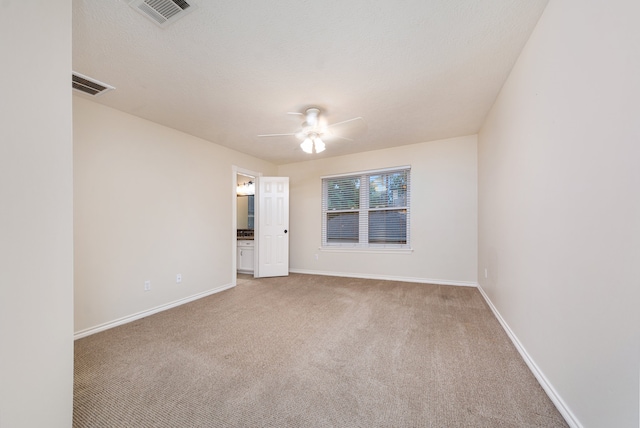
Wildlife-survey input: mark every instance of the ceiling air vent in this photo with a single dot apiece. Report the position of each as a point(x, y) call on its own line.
point(162, 12)
point(88, 85)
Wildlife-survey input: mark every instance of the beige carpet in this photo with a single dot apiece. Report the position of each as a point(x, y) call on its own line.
point(311, 351)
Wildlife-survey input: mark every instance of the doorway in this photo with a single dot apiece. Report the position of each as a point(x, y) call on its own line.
point(264, 250)
point(244, 218)
point(245, 223)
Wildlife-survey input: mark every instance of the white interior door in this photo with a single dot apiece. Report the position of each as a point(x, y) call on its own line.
point(272, 204)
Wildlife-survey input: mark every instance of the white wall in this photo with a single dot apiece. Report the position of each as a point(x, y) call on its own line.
point(36, 237)
point(443, 214)
point(559, 206)
point(150, 202)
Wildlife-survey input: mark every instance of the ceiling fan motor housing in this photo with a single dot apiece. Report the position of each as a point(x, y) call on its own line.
point(312, 115)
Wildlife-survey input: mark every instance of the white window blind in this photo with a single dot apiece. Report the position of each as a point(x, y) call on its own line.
point(367, 210)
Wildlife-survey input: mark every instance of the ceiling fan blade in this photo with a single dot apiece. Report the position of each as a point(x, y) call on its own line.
point(331, 136)
point(348, 129)
point(276, 135)
point(345, 121)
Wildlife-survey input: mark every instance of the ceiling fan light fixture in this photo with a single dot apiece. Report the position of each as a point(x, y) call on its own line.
point(319, 145)
point(307, 145)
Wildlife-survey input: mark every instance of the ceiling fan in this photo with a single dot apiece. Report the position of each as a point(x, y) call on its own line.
point(315, 130)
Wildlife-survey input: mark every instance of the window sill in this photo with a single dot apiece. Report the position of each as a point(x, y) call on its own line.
point(366, 250)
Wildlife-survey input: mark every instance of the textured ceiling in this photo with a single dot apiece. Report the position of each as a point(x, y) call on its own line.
point(414, 70)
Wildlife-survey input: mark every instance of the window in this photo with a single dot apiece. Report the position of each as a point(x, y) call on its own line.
point(366, 210)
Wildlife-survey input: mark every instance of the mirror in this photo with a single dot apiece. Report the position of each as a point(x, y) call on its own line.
point(245, 212)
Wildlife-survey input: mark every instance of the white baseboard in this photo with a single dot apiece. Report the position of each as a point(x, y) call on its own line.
point(562, 407)
point(387, 277)
point(105, 326)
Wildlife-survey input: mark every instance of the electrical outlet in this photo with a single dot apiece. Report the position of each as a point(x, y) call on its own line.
point(316, 257)
point(147, 285)
point(486, 273)
point(178, 278)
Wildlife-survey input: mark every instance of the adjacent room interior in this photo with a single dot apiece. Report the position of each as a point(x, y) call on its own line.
point(515, 121)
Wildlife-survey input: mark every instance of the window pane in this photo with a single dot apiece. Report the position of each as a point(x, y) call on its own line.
point(343, 193)
point(388, 190)
point(342, 227)
point(388, 227)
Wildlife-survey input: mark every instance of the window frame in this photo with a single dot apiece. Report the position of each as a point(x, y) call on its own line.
point(363, 210)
